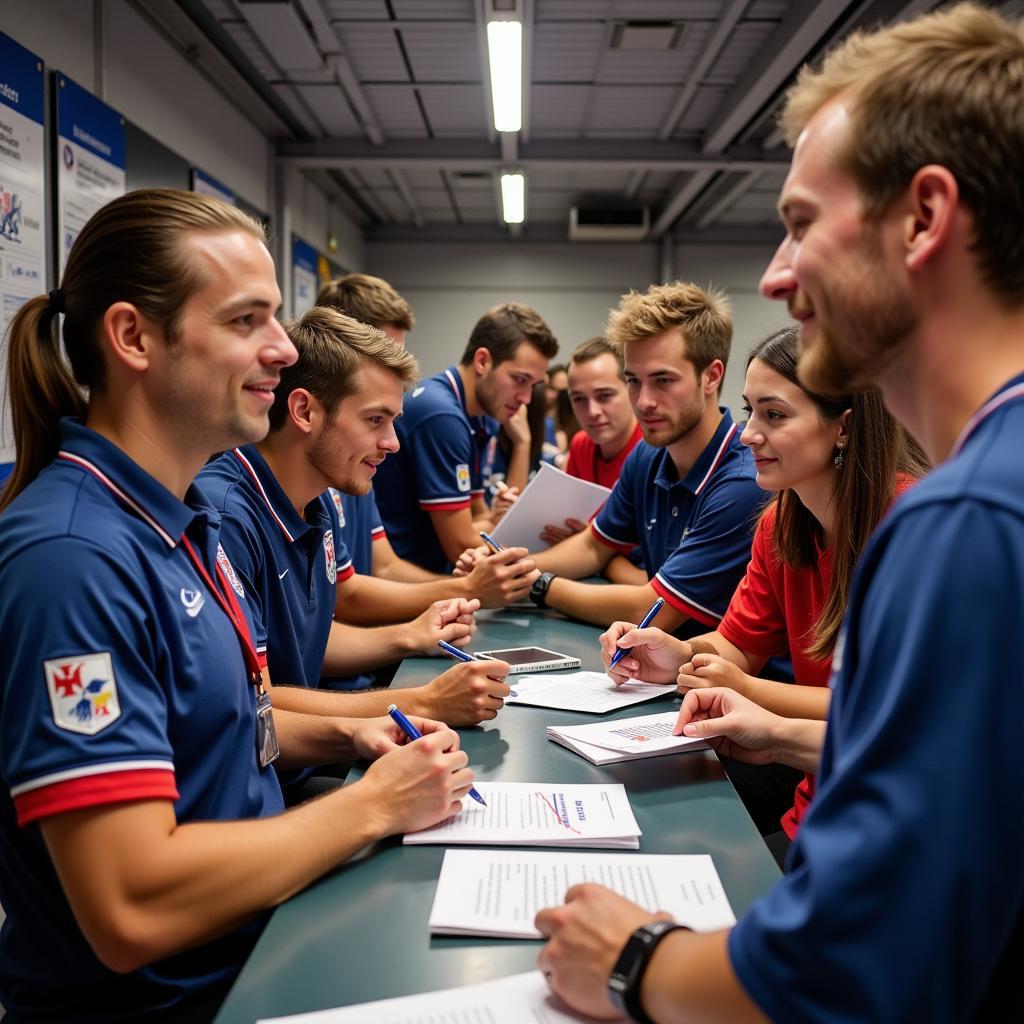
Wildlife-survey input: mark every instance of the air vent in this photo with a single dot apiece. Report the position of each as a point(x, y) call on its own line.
point(608, 221)
point(646, 35)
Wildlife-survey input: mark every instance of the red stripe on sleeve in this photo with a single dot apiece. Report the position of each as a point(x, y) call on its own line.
point(378, 534)
point(624, 548)
point(446, 506)
point(682, 606)
point(347, 573)
point(95, 791)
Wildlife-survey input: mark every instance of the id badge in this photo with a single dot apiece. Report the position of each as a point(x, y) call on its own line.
point(266, 734)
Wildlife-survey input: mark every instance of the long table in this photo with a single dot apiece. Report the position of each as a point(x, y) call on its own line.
point(361, 933)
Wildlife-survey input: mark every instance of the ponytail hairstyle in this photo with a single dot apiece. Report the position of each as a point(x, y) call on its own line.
point(878, 450)
point(130, 250)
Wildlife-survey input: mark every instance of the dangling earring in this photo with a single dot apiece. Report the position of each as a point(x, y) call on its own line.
point(838, 460)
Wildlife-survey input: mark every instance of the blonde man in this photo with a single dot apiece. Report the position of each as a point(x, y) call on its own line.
point(371, 300)
point(687, 496)
point(903, 898)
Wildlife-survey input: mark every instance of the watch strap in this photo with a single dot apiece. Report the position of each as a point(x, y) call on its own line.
point(539, 589)
point(628, 973)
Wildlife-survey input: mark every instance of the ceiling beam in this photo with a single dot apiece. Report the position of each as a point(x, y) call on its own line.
point(710, 53)
point(407, 197)
point(727, 198)
point(680, 200)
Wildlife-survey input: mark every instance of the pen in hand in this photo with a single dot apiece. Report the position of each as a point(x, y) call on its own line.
point(491, 542)
point(644, 623)
point(463, 656)
point(413, 733)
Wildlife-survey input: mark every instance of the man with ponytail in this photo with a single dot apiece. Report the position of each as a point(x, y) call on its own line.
point(136, 731)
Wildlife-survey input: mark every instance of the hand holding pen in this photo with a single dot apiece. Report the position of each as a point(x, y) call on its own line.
point(464, 657)
point(413, 733)
point(621, 652)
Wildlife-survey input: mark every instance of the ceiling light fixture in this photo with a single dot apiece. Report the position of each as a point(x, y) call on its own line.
point(513, 197)
point(505, 56)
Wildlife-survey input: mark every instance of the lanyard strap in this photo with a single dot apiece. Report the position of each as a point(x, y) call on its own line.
point(225, 597)
point(1008, 395)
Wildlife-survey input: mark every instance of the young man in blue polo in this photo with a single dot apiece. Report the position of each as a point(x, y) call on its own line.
point(332, 425)
point(497, 581)
point(686, 494)
point(431, 493)
point(903, 898)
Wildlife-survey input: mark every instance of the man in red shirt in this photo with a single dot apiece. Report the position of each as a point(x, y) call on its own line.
point(597, 390)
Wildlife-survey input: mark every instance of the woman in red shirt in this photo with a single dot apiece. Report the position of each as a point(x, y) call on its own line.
point(836, 463)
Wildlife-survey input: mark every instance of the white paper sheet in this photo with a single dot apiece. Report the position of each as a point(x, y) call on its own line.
point(625, 739)
point(512, 1000)
point(540, 814)
point(592, 692)
point(550, 497)
point(498, 892)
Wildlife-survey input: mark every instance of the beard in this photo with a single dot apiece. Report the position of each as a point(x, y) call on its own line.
point(323, 457)
point(862, 325)
point(679, 426)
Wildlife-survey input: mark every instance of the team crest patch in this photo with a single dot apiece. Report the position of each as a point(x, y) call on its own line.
point(83, 692)
point(332, 565)
point(418, 392)
point(462, 476)
point(338, 507)
point(229, 571)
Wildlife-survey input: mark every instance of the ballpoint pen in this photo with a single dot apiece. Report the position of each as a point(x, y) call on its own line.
point(413, 733)
point(463, 656)
point(645, 622)
point(491, 542)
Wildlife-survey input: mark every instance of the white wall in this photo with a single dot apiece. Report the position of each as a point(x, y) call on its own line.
point(571, 285)
point(314, 217)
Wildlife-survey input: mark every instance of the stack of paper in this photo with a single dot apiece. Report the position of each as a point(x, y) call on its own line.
point(540, 814)
point(497, 893)
point(592, 692)
point(625, 740)
point(503, 1001)
point(550, 489)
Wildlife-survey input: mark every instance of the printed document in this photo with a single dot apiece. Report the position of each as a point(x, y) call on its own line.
point(498, 892)
point(625, 739)
point(540, 814)
point(550, 497)
point(512, 1000)
point(592, 692)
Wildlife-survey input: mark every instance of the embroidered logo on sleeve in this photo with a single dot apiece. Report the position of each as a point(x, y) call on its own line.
point(462, 476)
point(417, 392)
point(338, 507)
point(83, 693)
point(332, 565)
point(228, 569)
point(193, 600)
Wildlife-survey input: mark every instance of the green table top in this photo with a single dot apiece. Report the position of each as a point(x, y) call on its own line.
point(361, 933)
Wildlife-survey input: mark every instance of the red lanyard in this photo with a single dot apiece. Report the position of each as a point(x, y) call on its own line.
point(225, 597)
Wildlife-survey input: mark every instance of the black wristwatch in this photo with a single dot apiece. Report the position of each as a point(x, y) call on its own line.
point(539, 590)
point(628, 972)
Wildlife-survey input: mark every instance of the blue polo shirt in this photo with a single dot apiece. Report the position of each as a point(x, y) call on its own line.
point(360, 524)
point(288, 564)
point(439, 467)
point(695, 532)
point(122, 680)
point(904, 894)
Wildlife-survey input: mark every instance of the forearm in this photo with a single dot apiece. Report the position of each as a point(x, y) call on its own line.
point(799, 744)
point(621, 570)
point(574, 558)
point(310, 739)
point(372, 601)
point(603, 605)
point(690, 979)
point(518, 466)
point(788, 699)
point(398, 570)
point(415, 700)
point(352, 649)
point(187, 884)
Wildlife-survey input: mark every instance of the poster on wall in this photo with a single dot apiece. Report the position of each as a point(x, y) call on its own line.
point(304, 277)
point(202, 182)
point(22, 200)
point(90, 160)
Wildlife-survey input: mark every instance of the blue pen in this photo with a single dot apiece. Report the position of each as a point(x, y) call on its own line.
point(491, 542)
point(647, 619)
point(413, 733)
point(463, 656)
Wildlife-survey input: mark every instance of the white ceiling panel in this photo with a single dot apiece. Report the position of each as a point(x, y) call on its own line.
point(558, 108)
point(443, 52)
point(373, 50)
point(331, 109)
point(566, 53)
point(433, 9)
point(397, 110)
point(455, 111)
point(355, 9)
point(631, 111)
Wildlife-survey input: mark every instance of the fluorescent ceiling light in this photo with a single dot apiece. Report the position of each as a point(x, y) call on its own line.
point(513, 198)
point(505, 53)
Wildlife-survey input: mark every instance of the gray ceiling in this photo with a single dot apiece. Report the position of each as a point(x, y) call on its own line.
point(667, 104)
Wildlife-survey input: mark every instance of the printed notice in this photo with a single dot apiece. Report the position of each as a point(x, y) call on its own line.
point(22, 198)
point(90, 160)
point(304, 279)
